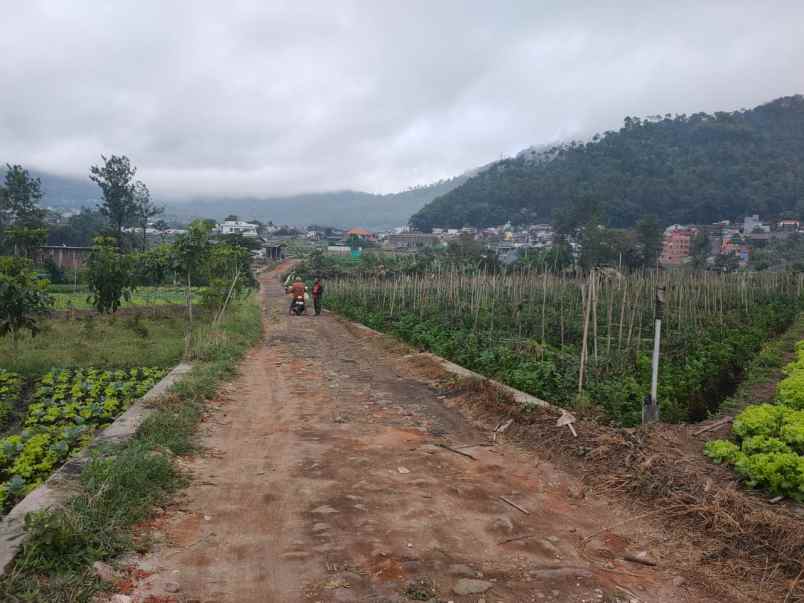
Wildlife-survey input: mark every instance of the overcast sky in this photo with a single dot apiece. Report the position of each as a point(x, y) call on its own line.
point(275, 97)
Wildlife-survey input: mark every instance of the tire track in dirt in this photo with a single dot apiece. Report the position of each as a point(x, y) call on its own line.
point(323, 480)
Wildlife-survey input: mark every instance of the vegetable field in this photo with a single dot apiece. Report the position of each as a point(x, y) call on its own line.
point(585, 340)
point(69, 298)
point(65, 408)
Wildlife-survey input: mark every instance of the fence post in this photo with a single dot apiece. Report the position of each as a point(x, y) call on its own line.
point(650, 410)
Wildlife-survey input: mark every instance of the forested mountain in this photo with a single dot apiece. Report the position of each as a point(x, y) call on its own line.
point(684, 169)
point(340, 208)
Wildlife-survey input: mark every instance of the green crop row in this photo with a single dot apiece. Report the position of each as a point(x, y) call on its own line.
point(791, 388)
point(10, 391)
point(68, 406)
point(768, 449)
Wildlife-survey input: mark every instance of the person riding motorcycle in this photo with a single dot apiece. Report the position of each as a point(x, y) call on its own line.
point(296, 290)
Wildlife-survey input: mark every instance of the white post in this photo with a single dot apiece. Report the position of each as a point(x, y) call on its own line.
point(650, 409)
point(654, 378)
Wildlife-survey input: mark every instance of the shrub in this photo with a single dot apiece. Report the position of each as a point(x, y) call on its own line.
point(23, 298)
point(110, 276)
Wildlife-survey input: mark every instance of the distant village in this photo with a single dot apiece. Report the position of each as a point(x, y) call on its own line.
point(726, 239)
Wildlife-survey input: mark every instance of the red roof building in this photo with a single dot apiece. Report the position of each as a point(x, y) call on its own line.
point(361, 233)
point(676, 245)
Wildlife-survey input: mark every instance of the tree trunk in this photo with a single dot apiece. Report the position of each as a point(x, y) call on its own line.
point(188, 336)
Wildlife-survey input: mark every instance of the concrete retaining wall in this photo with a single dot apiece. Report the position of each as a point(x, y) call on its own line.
point(64, 482)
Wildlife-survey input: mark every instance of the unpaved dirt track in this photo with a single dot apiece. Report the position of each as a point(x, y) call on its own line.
point(322, 480)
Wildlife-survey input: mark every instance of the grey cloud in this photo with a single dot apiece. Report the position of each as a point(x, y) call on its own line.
point(260, 98)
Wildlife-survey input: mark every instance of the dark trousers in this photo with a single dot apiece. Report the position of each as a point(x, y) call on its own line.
point(317, 304)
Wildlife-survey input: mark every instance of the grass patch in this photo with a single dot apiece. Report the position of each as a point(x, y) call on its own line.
point(120, 486)
point(100, 342)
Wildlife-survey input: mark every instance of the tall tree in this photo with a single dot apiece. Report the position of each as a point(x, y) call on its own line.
point(22, 221)
point(116, 181)
point(145, 209)
point(23, 298)
point(190, 255)
point(649, 236)
point(110, 276)
point(699, 250)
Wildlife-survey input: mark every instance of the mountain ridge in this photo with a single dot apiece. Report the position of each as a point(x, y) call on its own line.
point(686, 169)
point(338, 208)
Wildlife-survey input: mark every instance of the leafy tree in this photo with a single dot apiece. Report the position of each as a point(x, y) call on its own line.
point(468, 253)
point(238, 240)
point(21, 196)
point(228, 273)
point(22, 221)
point(145, 209)
point(110, 276)
point(154, 265)
point(727, 262)
point(116, 181)
point(650, 236)
point(555, 259)
point(355, 242)
point(190, 254)
point(23, 298)
point(25, 239)
point(699, 250)
point(79, 230)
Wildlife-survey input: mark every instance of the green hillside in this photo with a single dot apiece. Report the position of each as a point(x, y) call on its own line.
point(684, 169)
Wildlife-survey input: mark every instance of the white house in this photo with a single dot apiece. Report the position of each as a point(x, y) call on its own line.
point(754, 224)
point(246, 229)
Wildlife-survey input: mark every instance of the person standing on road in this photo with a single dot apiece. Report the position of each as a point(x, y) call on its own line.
point(318, 292)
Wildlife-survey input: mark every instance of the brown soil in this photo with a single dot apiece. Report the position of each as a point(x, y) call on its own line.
point(323, 478)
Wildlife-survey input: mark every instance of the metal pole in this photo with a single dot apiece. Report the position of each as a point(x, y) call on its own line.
point(650, 411)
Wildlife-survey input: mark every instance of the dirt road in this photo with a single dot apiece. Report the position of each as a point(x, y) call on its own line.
point(323, 479)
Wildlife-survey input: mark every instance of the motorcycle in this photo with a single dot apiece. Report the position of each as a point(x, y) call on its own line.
point(298, 306)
